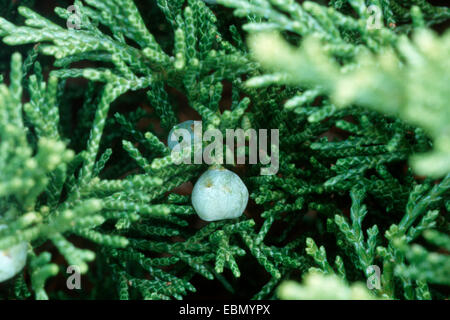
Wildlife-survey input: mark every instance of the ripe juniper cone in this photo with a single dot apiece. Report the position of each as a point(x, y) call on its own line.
point(12, 260)
point(187, 125)
point(219, 194)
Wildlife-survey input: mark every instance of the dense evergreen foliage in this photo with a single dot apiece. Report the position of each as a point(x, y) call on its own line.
point(359, 91)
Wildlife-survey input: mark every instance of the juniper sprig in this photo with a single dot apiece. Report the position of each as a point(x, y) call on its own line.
point(88, 177)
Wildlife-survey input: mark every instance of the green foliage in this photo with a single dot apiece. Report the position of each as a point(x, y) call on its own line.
point(320, 287)
point(384, 70)
point(8, 10)
point(95, 181)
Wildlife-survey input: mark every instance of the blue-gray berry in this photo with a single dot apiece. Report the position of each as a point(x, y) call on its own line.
point(12, 260)
point(219, 194)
